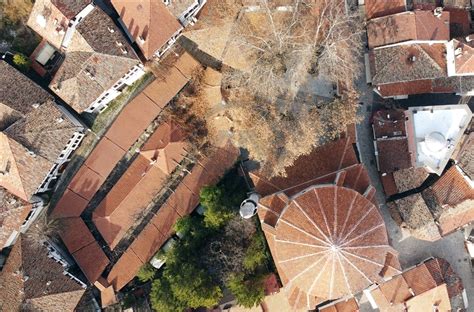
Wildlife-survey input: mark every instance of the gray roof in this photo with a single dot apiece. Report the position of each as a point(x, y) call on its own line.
point(94, 66)
point(409, 62)
point(70, 8)
point(44, 131)
point(18, 93)
point(31, 281)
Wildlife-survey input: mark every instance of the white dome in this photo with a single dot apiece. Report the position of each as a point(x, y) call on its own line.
point(248, 208)
point(435, 142)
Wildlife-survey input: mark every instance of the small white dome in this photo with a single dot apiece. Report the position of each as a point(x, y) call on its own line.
point(248, 208)
point(436, 142)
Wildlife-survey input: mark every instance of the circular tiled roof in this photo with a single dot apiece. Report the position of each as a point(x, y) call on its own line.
point(330, 241)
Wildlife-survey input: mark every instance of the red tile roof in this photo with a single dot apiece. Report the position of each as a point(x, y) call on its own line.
point(392, 154)
point(388, 123)
point(124, 270)
point(322, 161)
point(86, 182)
point(132, 121)
point(75, 234)
point(91, 260)
point(104, 165)
point(150, 20)
point(13, 211)
point(165, 218)
point(416, 285)
point(148, 243)
point(377, 8)
point(324, 221)
point(70, 205)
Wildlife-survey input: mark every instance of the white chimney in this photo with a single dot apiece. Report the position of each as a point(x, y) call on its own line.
point(458, 52)
point(438, 11)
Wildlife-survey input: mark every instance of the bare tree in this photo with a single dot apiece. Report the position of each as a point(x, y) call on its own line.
point(43, 229)
point(271, 117)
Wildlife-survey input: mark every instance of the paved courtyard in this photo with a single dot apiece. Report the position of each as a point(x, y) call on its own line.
point(411, 250)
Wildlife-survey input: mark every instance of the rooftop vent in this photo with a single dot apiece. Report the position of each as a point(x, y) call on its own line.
point(35, 105)
point(412, 58)
point(438, 11)
point(59, 120)
point(31, 153)
point(470, 38)
point(141, 40)
point(118, 43)
point(111, 30)
point(458, 52)
point(124, 51)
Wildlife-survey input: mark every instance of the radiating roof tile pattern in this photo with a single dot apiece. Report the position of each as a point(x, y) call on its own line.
point(330, 241)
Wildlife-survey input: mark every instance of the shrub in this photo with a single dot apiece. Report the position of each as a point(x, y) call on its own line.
point(249, 293)
point(21, 61)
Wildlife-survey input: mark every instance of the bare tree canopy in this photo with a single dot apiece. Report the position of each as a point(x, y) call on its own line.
point(275, 114)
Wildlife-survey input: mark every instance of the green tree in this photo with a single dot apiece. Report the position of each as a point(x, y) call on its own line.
point(162, 298)
point(249, 293)
point(147, 272)
point(192, 285)
point(218, 212)
point(256, 255)
point(21, 61)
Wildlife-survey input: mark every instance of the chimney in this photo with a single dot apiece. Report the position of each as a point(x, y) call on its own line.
point(412, 58)
point(141, 40)
point(59, 120)
point(111, 30)
point(438, 11)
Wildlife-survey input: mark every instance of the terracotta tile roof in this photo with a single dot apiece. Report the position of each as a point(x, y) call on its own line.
point(45, 131)
point(161, 91)
point(18, 94)
point(94, 61)
point(148, 243)
point(459, 22)
point(166, 147)
point(124, 270)
point(453, 187)
point(320, 162)
point(133, 120)
point(392, 154)
point(30, 279)
point(75, 234)
point(69, 205)
point(417, 25)
point(424, 302)
point(13, 211)
point(388, 123)
point(396, 290)
point(465, 157)
point(165, 219)
point(451, 200)
point(86, 183)
point(464, 63)
point(107, 297)
point(408, 87)
point(419, 279)
point(142, 181)
point(347, 305)
point(388, 183)
point(91, 260)
point(183, 200)
point(409, 62)
point(104, 165)
point(122, 214)
point(377, 8)
point(23, 172)
point(316, 224)
point(148, 20)
point(419, 288)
